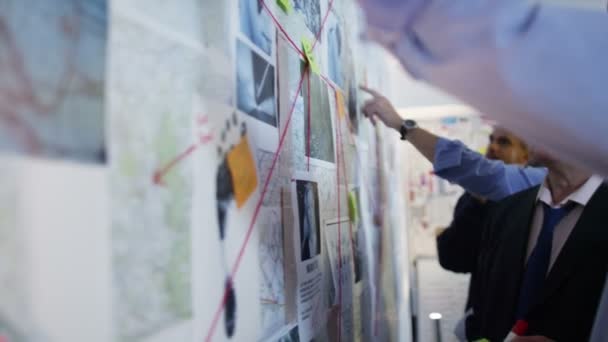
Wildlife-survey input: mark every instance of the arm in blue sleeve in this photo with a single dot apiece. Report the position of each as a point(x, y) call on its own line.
point(490, 179)
point(539, 70)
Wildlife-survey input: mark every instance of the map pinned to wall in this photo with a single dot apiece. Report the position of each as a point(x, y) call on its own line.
point(272, 268)
point(52, 93)
point(151, 221)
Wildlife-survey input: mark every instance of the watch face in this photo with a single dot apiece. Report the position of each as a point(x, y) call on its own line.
point(409, 124)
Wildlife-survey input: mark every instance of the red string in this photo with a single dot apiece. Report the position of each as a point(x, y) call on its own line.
point(293, 45)
point(237, 263)
point(322, 24)
point(328, 82)
point(338, 150)
point(157, 178)
point(280, 27)
point(344, 174)
point(309, 128)
point(235, 268)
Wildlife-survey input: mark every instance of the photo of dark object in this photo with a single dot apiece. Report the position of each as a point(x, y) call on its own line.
point(292, 336)
point(308, 216)
point(353, 108)
point(357, 255)
point(255, 85)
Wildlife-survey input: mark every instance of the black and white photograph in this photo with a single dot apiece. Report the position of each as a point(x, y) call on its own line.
point(335, 41)
point(321, 139)
point(357, 258)
point(353, 110)
point(292, 336)
point(308, 217)
point(255, 85)
point(256, 24)
point(311, 9)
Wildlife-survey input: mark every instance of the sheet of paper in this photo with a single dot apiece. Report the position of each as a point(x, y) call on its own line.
point(312, 306)
point(339, 250)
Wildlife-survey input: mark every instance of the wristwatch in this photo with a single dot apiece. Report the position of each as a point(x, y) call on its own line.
point(406, 126)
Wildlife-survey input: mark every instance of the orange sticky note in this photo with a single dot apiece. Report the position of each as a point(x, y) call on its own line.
point(242, 168)
point(340, 104)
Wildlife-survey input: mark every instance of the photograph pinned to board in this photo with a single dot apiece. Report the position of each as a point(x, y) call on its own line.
point(272, 270)
point(339, 251)
point(291, 102)
point(255, 85)
point(308, 218)
point(311, 10)
point(311, 299)
point(256, 94)
point(292, 336)
point(256, 24)
point(320, 144)
point(335, 49)
point(354, 114)
point(52, 92)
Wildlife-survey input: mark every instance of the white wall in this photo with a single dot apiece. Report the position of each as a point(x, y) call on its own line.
point(62, 213)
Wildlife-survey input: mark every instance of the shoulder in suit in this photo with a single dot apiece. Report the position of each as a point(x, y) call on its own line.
point(566, 308)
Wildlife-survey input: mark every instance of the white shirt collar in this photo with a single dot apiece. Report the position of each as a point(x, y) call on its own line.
point(581, 196)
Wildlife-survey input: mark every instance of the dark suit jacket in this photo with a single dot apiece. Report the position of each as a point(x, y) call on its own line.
point(458, 245)
point(568, 302)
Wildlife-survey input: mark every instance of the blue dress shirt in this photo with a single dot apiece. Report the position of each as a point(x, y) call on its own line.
point(491, 179)
point(539, 70)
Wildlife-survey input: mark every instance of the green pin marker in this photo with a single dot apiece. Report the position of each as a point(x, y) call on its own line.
point(285, 5)
point(310, 57)
point(482, 340)
point(353, 211)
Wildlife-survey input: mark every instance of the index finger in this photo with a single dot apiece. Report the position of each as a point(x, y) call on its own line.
point(370, 91)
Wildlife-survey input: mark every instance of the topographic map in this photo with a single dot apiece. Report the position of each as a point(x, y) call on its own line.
point(151, 124)
point(272, 278)
point(52, 62)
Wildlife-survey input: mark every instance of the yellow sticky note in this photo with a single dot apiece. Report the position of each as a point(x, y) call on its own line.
point(285, 5)
point(340, 104)
point(243, 171)
point(310, 57)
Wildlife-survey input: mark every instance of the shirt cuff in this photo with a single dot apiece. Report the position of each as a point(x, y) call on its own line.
point(448, 154)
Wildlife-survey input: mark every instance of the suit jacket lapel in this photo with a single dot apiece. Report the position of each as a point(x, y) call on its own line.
point(513, 245)
point(577, 246)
